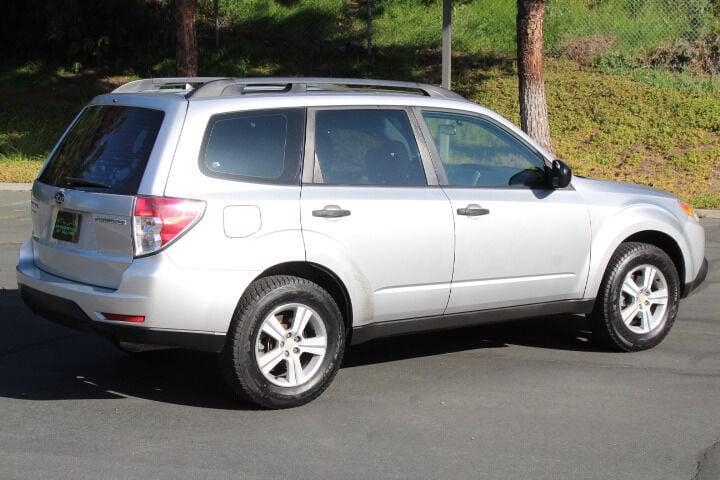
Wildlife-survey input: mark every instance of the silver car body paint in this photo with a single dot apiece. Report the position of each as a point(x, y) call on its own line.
point(395, 255)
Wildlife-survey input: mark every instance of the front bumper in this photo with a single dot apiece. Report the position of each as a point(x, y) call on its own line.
point(690, 287)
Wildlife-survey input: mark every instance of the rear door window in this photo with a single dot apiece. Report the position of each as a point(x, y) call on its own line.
point(106, 150)
point(260, 146)
point(367, 147)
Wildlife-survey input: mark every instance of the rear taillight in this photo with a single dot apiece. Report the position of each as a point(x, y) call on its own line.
point(158, 221)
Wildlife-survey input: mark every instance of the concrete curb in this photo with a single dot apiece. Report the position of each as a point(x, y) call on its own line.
point(708, 213)
point(16, 187)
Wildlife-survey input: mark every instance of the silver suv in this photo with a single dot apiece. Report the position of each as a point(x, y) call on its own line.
point(275, 220)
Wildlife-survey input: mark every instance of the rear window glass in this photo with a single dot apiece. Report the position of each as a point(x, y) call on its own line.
point(106, 150)
point(260, 146)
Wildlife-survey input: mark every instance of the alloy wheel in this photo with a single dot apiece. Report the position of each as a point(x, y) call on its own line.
point(643, 299)
point(291, 345)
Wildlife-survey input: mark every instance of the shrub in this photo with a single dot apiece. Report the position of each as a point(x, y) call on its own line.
point(699, 56)
point(587, 49)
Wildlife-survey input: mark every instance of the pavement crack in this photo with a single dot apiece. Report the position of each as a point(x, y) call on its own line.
point(708, 465)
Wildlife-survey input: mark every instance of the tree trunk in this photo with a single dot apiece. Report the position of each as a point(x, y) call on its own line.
point(186, 48)
point(533, 105)
point(370, 27)
point(216, 13)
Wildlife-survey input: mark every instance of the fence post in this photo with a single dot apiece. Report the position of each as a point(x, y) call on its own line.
point(446, 43)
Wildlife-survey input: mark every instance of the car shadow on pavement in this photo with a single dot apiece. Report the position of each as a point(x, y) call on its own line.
point(558, 332)
point(43, 361)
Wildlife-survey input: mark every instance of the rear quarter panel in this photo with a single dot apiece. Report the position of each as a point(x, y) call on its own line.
point(215, 243)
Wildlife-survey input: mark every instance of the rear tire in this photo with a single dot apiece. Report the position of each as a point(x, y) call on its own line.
point(285, 342)
point(638, 299)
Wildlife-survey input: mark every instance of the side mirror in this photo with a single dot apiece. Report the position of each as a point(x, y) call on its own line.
point(560, 175)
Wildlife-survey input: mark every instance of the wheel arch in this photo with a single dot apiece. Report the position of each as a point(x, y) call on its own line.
point(665, 243)
point(320, 275)
point(646, 224)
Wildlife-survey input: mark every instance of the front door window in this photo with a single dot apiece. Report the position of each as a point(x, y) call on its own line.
point(477, 153)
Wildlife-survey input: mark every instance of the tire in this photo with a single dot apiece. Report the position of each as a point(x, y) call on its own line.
point(618, 297)
point(296, 378)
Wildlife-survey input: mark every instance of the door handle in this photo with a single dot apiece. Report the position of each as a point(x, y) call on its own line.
point(473, 210)
point(331, 211)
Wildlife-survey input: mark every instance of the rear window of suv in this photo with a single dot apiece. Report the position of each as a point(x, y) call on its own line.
point(106, 150)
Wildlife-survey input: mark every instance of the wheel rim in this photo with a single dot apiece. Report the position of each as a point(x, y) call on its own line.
point(643, 299)
point(291, 345)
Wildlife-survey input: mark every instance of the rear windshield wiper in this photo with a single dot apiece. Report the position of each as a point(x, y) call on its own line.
point(81, 182)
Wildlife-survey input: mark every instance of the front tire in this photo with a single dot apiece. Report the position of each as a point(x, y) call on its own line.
point(638, 299)
point(285, 342)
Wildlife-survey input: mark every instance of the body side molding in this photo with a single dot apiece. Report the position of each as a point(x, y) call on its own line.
point(393, 328)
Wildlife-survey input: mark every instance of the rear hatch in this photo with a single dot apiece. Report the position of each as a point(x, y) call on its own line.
point(82, 202)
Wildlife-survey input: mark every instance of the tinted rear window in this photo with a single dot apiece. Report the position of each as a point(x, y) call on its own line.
point(109, 145)
point(259, 146)
point(367, 147)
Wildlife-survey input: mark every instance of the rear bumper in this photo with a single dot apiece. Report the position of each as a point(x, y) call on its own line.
point(189, 308)
point(68, 313)
point(690, 287)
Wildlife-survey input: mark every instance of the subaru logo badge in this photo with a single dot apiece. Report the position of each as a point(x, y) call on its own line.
point(59, 197)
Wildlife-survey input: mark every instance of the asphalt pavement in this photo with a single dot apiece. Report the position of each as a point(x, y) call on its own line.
point(531, 399)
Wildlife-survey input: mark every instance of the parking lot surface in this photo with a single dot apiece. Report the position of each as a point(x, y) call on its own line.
point(531, 399)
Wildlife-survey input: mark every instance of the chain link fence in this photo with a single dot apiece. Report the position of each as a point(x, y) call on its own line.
point(631, 26)
point(678, 34)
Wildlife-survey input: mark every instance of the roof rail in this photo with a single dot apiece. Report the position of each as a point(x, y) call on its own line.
point(204, 87)
point(240, 86)
point(155, 84)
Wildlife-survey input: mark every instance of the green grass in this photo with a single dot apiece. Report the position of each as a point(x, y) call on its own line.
point(489, 25)
point(624, 66)
point(479, 26)
point(706, 200)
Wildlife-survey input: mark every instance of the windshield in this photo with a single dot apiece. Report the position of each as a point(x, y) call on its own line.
point(106, 150)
